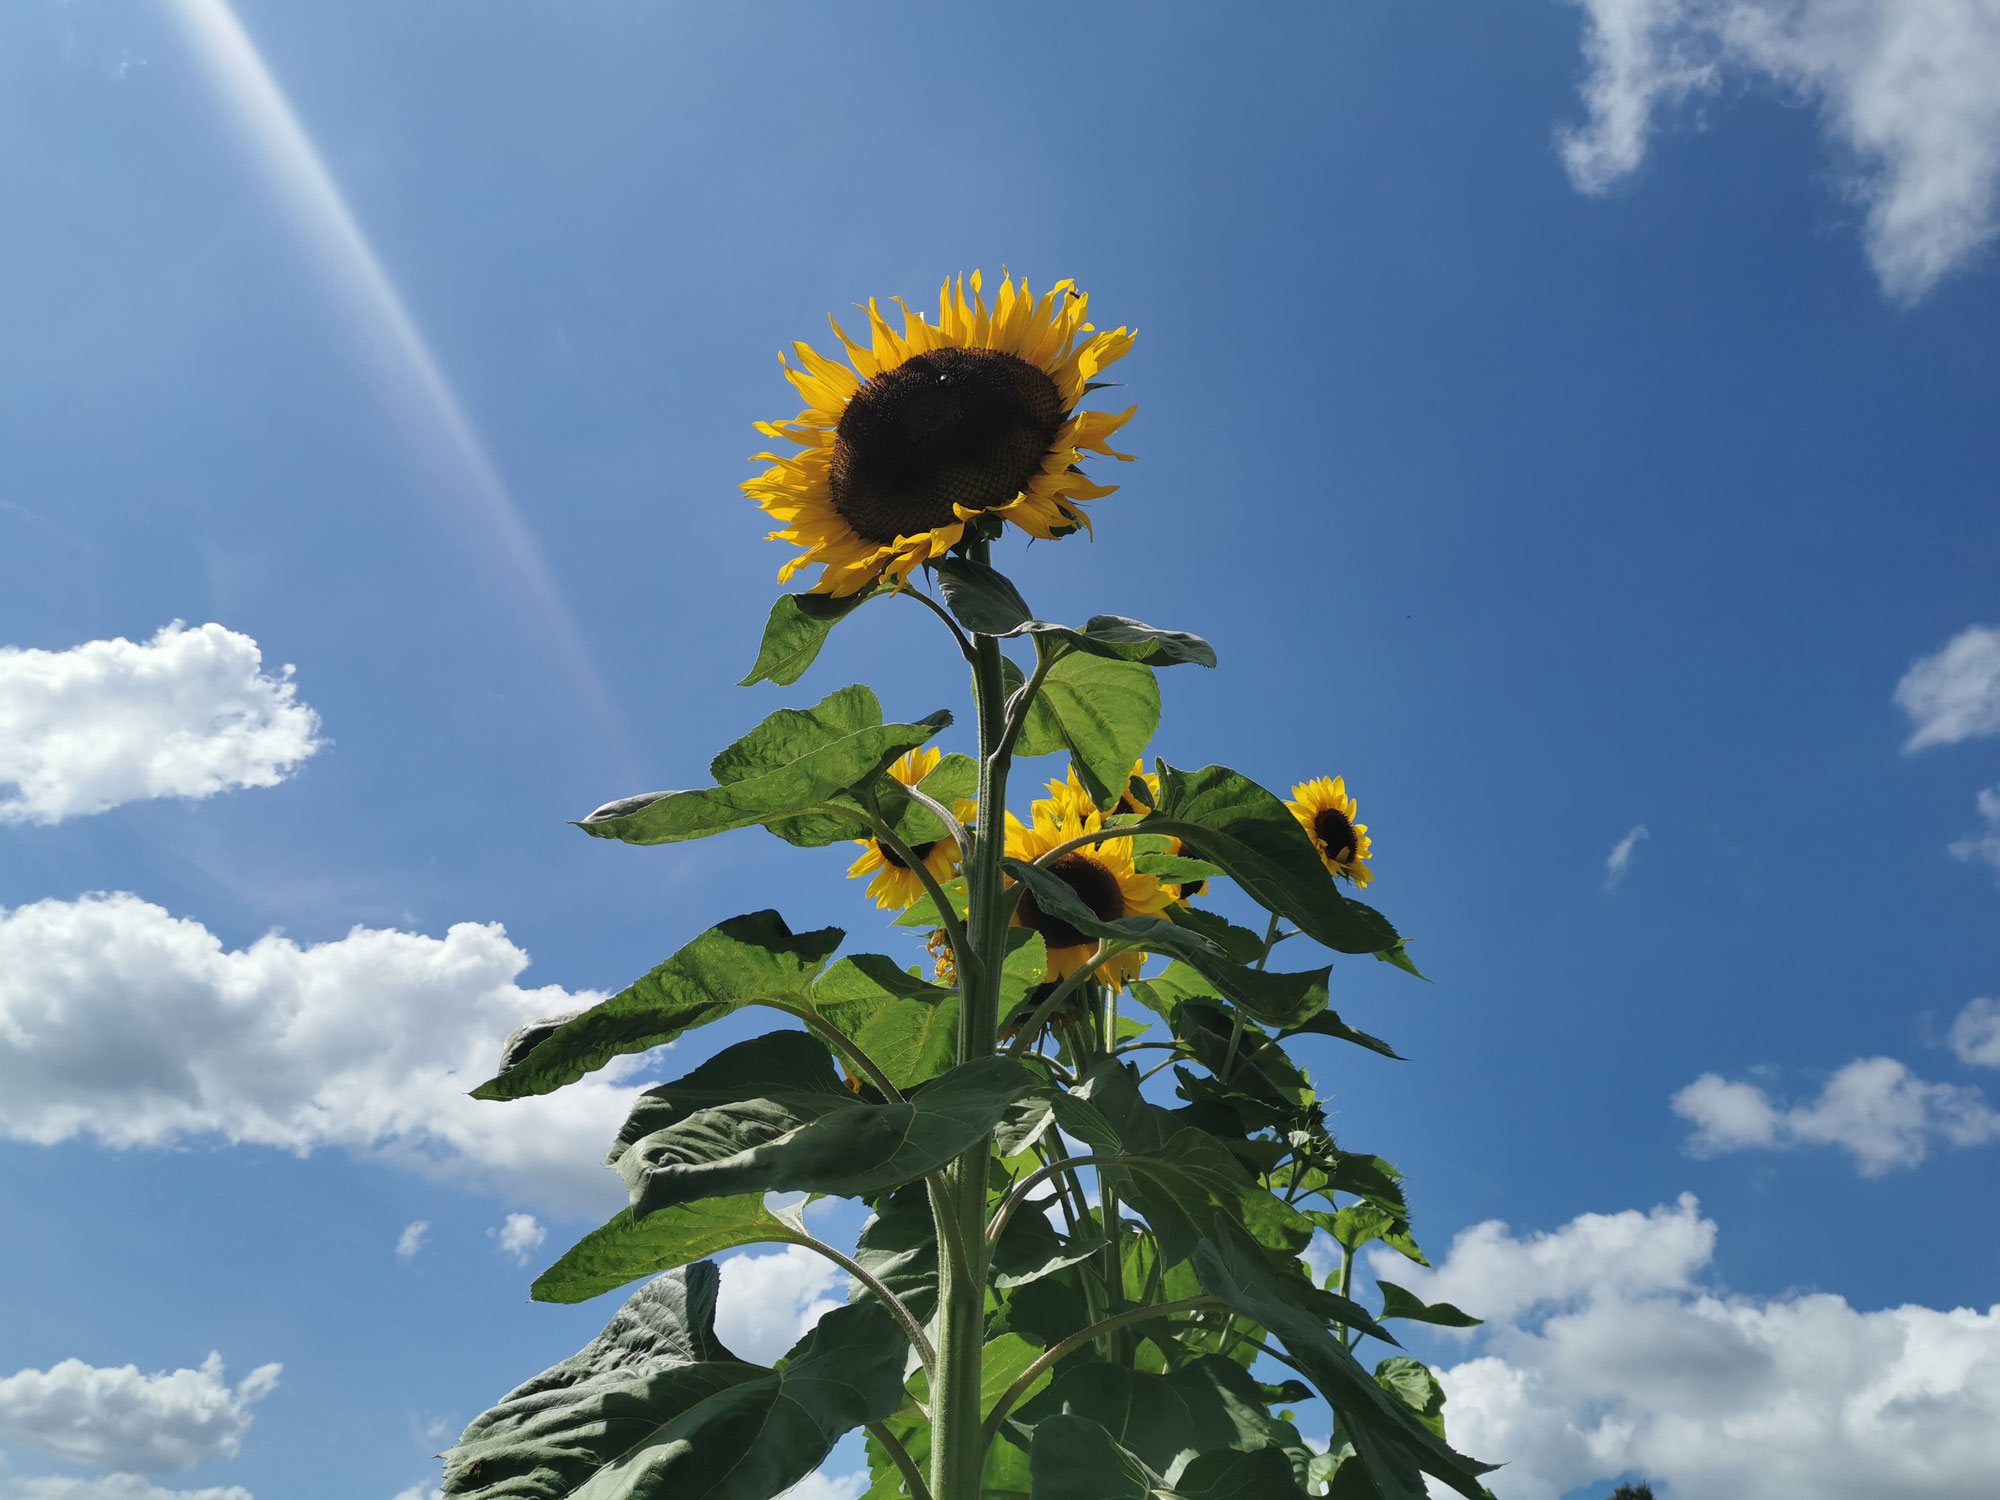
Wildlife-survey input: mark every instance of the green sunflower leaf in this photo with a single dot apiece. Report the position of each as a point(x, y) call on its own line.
point(1280, 999)
point(796, 630)
point(1398, 1303)
point(1411, 1382)
point(984, 600)
point(1073, 1458)
point(907, 1026)
point(1210, 1405)
point(655, 1406)
point(1328, 1023)
point(982, 597)
point(622, 1251)
point(771, 1115)
point(1397, 1447)
point(749, 960)
point(1005, 1476)
point(898, 1247)
point(827, 759)
point(1102, 711)
point(1226, 818)
point(1266, 1474)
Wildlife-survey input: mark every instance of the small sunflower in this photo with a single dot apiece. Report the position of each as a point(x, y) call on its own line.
point(972, 415)
point(943, 966)
point(1103, 877)
point(897, 887)
point(1069, 796)
point(1326, 812)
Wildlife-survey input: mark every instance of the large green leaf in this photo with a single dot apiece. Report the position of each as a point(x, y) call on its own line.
point(1075, 1459)
point(828, 761)
point(1328, 1023)
point(796, 630)
point(1165, 1420)
point(1266, 1474)
point(771, 1115)
point(1398, 1303)
point(655, 1408)
point(1396, 1446)
point(985, 600)
point(1227, 819)
point(1106, 712)
point(749, 960)
point(624, 1250)
point(1411, 1382)
point(1279, 998)
point(909, 1027)
point(898, 1247)
point(789, 733)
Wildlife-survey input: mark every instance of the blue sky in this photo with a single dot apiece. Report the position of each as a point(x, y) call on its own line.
point(1563, 419)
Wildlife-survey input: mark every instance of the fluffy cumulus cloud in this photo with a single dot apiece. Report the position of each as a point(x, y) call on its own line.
point(1908, 93)
point(828, 1487)
point(126, 1025)
point(1975, 1035)
point(1953, 694)
point(111, 1487)
point(1874, 1108)
point(768, 1302)
point(520, 1236)
point(165, 1423)
point(187, 714)
point(1604, 1355)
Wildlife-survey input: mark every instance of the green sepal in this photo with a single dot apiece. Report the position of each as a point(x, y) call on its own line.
point(1226, 818)
point(797, 628)
point(1396, 1446)
point(748, 960)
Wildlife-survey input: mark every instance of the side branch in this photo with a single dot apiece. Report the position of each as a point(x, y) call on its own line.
point(1034, 1179)
point(900, 1457)
point(898, 1309)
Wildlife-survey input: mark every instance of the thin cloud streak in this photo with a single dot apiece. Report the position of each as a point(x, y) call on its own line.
point(439, 421)
point(1619, 862)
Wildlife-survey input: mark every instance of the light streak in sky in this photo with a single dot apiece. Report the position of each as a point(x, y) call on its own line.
point(437, 417)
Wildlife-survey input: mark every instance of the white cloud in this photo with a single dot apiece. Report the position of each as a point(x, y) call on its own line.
point(768, 1302)
point(519, 1237)
point(165, 1423)
point(1975, 1035)
point(1620, 859)
point(411, 1240)
point(418, 1492)
point(1908, 93)
point(1874, 1108)
point(1954, 693)
point(187, 714)
point(1984, 846)
point(822, 1486)
point(126, 1025)
point(1603, 1356)
point(111, 1487)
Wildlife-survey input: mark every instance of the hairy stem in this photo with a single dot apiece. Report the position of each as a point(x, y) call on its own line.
point(900, 1457)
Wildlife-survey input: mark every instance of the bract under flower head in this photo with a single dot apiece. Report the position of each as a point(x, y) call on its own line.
point(929, 428)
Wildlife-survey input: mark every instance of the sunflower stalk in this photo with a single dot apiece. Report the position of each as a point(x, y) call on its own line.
point(919, 451)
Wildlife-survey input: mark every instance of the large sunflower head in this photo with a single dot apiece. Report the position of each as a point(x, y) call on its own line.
point(1326, 812)
point(897, 887)
point(1069, 796)
point(926, 429)
point(1103, 877)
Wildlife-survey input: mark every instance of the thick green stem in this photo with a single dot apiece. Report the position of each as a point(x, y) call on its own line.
point(957, 1454)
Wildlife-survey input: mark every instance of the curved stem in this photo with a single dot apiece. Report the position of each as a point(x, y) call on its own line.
point(947, 918)
point(1024, 699)
point(900, 1457)
point(842, 1043)
point(1034, 1179)
point(953, 829)
point(1106, 951)
point(964, 645)
point(898, 1309)
point(1236, 1028)
point(1077, 1340)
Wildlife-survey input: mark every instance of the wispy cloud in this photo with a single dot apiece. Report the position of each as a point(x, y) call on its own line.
point(1908, 93)
point(411, 1240)
point(1975, 1035)
point(1620, 859)
point(1954, 693)
point(1875, 1109)
point(189, 713)
point(1983, 845)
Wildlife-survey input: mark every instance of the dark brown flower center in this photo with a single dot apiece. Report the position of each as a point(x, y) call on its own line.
point(955, 426)
point(1094, 885)
point(1335, 834)
point(890, 858)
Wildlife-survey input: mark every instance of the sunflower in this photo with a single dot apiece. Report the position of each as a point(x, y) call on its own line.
point(1069, 797)
point(897, 887)
point(1103, 877)
point(972, 415)
point(1326, 812)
